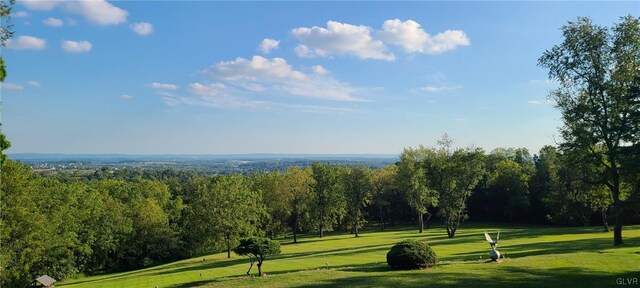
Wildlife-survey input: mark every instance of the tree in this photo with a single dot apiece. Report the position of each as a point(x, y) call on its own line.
point(358, 192)
point(510, 182)
point(597, 70)
point(413, 183)
point(4, 145)
point(328, 196)
point(467, 169)
point(6, 31)
point(298, 186)
point(257, 249)
point(384, 185)
point(543, 182)
point(276, 200)
point(223, 210)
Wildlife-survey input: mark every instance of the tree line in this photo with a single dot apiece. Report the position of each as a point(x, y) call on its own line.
point(66, 226)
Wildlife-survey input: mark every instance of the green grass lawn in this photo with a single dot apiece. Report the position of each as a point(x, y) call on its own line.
point(535, 257)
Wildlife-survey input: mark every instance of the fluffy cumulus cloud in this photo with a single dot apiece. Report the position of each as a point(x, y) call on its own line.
point(53, 22)
point(142, 28)
point(76, 46)
point(340, 39)
point(162, 86)
point(277, 77)
point(125, 97)
point(365, 43)
point(410, 36)
point(267, 45)
point(99, 12)
point(26, 43)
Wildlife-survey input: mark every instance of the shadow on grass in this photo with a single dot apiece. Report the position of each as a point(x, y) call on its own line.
point(506, 277)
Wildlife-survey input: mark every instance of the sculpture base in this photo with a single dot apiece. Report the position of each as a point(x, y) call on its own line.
point(494, 255)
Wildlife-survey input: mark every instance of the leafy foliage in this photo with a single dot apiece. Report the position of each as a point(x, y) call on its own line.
point(411, 254)
point(257, 248)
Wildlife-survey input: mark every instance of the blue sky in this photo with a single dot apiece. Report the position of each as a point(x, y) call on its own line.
point(145, 77)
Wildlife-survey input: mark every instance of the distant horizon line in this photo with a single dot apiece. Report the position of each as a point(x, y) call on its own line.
point(177, 155)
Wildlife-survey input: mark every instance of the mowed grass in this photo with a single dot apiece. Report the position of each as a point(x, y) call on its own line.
point(535, 257)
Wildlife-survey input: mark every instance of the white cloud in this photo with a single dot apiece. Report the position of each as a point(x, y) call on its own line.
point(542, 102)
point(125, 97)
point(267, 45)
point(98, 12)
point(438, 89)
point(76, 46)
point(26, 43)
point(142, 28)
point(447, 40)
point(21, 14)
point(39, 5)
point(219, 95)
point(365, 43)
point(162, 86)
point(34, 83)
point(53, 22)
point(340, 39)
point(275, 76)
point(256, 68)
point(11, 86)
point(319, 69)
point(413, 39)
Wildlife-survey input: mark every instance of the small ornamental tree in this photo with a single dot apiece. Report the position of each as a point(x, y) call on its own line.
point(257, 249)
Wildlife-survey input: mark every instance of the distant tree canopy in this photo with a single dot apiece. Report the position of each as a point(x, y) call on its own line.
point(598, 72)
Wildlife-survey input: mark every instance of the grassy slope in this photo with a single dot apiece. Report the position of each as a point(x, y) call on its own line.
point(536, 257)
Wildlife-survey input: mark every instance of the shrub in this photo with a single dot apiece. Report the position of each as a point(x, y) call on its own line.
point(411, 254)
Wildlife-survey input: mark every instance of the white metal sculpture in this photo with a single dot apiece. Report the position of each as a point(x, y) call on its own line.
point(493, 254)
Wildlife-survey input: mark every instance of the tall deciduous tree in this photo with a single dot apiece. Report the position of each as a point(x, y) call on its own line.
point(598, 72)
point(413, 183)
point(358, 193)
point(328, 196)
point(384, 186)
point(276, 199)
point(6, 30)
point(298, 186)
point(511, 182)
point(224, 209)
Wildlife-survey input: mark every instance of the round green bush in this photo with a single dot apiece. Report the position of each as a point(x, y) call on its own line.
point(411, 254)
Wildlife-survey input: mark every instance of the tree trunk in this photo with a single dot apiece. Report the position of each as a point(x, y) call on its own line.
point(321, 223)
point(428, 217)
point(355, 223)
point(421, 222)
point(295, 229)
point(617, 228)
point(604, 220)
point(228, 238)
point(259, 268)
point(381, 219)
point(249, 271)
